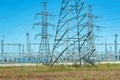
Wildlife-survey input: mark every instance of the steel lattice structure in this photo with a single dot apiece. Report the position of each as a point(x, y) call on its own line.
point(72, 34)
point(74, 39)
point(44, 49)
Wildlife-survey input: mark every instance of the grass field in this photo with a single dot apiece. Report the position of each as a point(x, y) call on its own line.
point(99, 72)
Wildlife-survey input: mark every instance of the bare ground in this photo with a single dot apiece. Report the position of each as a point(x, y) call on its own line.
point(70, 75)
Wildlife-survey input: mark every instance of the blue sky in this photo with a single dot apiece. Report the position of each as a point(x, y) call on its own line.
point(108, 11)
point(17, 17)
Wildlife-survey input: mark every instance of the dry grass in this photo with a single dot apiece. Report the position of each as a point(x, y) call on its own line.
point(101, 72)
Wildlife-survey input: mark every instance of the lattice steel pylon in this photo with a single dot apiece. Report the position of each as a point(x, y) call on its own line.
point(71, 30)
point(44, 49)
point(91, 39)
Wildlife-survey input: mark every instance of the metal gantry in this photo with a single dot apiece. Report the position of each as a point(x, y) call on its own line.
point(111, 54)
point(11, 52)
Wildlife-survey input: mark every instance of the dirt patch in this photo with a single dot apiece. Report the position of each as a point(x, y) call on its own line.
point(48, 76)
point(80, 75)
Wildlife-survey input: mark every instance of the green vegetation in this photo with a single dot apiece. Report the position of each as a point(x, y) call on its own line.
point(61, 68)
point(61, 72)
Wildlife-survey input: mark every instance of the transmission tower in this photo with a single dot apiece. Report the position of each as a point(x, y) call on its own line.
point(91, 26)
point(71, 33)
point(44, 49)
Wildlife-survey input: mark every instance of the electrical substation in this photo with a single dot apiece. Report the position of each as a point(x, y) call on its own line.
point(73, 42)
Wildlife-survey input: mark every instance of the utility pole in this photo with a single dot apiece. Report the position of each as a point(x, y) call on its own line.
point(115, 43)
point(119, 54)
point(22, 51)
point(2, 49)
point(28, 45)
point(106, 52)
point(20, 57)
